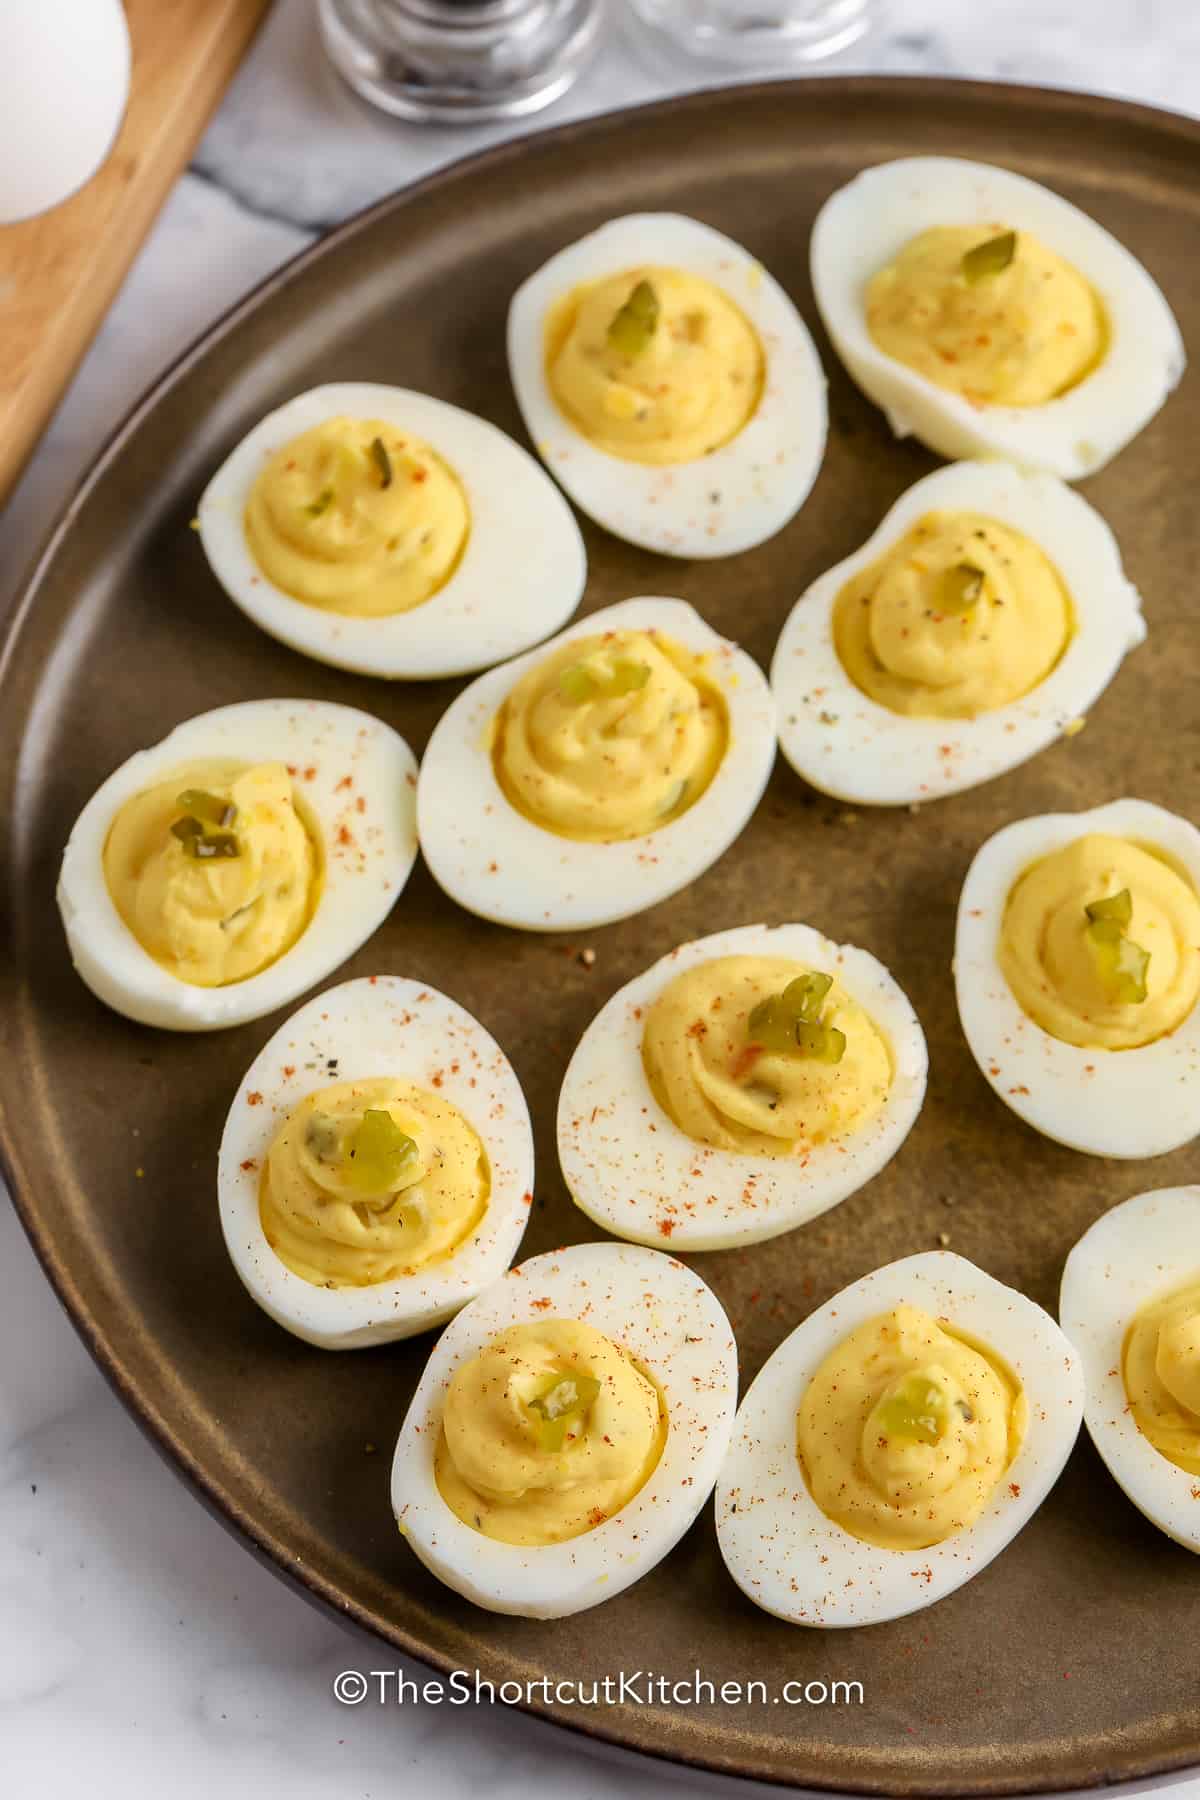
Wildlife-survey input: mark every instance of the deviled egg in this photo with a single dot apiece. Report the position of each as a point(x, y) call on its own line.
point(1130, 1304)
point(742, 1085)
point(989, 317)
point(895, 1444)
point(567, 1430)
point(387, 532)
point(670, 385)
point(592, 778)
point(215, 876)
point(1077, 970)
point(987, 613)
point(376, 1169)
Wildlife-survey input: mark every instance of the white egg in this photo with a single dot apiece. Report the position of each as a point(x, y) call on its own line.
point(845, 743)
point(675, 1328)
point(1138, 1253)
point(64, 82)
point(520, 577)
point(629, 1166)
point(1121, 1103)
point(377, 1027)
point(736, 496)
point(787, 1555)
point(864, 225)
point(496, 862)
point(339, 757)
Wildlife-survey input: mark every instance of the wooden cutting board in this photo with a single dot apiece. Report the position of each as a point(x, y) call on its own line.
point(60, 272)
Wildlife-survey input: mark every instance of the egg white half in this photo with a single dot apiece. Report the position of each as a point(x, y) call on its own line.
point(499, 864)
point(339, 756)
point(376, 1026)
point(628, 1165)
point(1135, 1254)
point(844, 743)
point(865, 224)
point(785, 1553)
point(675, 1327)
point(520, 577)
point(1121, 1103)
point(718, 505)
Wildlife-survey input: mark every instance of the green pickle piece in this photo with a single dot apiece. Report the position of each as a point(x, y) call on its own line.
point(210, 846)
point(820, 1043)
point(1118, 907)
point(915, 1408)
point(1120, 963)
point(321, 504)
point(379, 1153)
point(633, 325)
point(628, 677)
point(382, 461)
point(790, 1024)
point(323, 1137)
point(806, 995)
point(558, 1404)
point(962, 588)
point(208, 809)
point(990, 258)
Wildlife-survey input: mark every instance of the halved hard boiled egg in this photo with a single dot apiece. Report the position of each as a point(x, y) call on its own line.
point(1077, 970)
point(215, 876)
point(595, 776)
point(745, 1083)
point(987, 613)
point(1130, 1304)
point(895, 1444)
point(387, 532)
point(567, 1430)
point(376, 1168)
point(990, 317)
point(670, 385)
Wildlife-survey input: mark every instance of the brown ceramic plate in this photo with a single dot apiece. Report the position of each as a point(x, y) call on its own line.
point(1072, 1658)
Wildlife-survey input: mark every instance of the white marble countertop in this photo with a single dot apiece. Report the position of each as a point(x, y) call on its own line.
point(142, 1651)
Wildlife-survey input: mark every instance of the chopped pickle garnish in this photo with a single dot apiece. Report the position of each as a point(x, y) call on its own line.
point(323, 1138)
point(990, 258)
point(790, 1024)
point(321, 504)
point(962, 587)
point(1118, 907)
point(579, 683)
point(820, 1043)
point(561, 1401)
point(633, 325)
point(382, 461)
point(1120, 963)
point(187, 829)
point(915, 1409)
point(627, 677)
point(806, 995)
point(208, 809)
point(206, 846)
point(379, 1152)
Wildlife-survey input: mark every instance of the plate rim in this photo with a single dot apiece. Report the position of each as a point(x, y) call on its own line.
point(1062, 103)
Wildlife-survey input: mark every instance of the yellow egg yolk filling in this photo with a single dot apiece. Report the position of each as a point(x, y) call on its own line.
point(549, 1431)
point(711, 1073)
point(1068, 978)
point(357, 518)
point(610, 737)
point(961, 616)
point(1161, 1369)
point(906, 1428)
point(666, 379)
point(367, 1181)
point(214, 899)
point(1015, 332)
